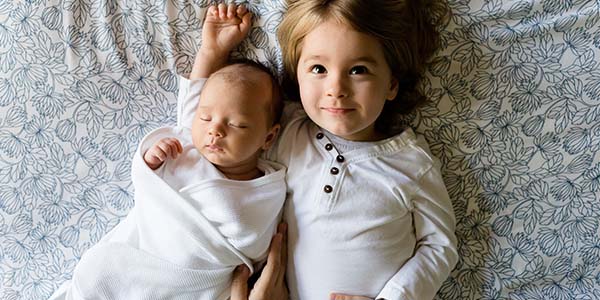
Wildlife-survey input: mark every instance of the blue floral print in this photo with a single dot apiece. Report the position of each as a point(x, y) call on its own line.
point(514, 117)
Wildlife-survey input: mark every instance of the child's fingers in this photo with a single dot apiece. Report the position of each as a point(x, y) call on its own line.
point(272, 269)
point(239, 284)
point(282, 229)
point(336, 296)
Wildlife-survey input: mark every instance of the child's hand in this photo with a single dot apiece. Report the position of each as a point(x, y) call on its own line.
point(225, 26)
point(271, 283)
point(158, 153)
point(335, 296)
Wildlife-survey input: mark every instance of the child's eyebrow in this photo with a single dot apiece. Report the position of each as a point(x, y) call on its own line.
point(312, 57)
point(363, 59)
point(366, 59)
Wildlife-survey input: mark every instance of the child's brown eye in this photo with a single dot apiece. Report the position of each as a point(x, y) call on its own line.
point(358, 70)
point(317, 69)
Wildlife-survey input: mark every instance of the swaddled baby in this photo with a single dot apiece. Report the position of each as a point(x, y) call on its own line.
point(205, 200)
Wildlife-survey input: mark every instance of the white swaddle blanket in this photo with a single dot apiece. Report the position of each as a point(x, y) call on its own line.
point(181, 243)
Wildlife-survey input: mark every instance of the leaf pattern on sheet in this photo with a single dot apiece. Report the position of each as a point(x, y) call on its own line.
point(81, 82)
point(514, 117)
point(517, 133)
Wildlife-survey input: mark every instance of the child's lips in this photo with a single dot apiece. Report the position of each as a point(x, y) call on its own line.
point(337, 110)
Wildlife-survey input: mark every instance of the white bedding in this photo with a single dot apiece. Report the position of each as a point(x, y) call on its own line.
point(515, 119)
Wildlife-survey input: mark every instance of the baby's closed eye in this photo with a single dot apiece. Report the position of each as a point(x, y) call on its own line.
point(238, 125)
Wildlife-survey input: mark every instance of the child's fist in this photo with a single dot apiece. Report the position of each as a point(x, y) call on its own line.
point(160, 151)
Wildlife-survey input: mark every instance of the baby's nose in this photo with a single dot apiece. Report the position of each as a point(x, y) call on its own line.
point(216, 130)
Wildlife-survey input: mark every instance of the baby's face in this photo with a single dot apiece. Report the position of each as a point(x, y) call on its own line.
point(231, 125)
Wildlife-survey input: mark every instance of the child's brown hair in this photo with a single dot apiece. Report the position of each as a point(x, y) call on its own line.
point(407, 30)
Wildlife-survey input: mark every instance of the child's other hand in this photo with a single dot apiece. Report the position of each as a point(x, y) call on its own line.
point(158, 153)
point(336, 296)
point(225, 26)
point(271, 283)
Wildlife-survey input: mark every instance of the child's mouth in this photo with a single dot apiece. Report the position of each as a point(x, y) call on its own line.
point(337, 111)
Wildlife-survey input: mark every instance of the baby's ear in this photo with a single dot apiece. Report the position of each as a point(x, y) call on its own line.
point(271, 136)
point(393, 89)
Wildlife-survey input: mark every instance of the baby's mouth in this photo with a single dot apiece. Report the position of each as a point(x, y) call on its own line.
point(214, 148)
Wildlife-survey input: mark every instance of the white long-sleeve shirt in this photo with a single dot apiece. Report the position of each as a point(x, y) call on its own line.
point(376, 221)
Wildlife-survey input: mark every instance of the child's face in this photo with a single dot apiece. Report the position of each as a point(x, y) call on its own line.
point(231, 125)
point(344, 80)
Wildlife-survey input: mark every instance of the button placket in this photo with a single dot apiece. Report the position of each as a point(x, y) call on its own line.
point(328, 187)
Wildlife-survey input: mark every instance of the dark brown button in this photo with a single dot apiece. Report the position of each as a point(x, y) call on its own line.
point(328, 147)
point(334, 171)
point(328, 189)
point(339, 158)
point(320, 135)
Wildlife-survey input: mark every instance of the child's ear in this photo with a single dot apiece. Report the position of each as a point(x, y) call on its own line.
point(271, 136)
point(393, 89)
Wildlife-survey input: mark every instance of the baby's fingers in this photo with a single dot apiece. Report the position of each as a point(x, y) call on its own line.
point(241, 10)
point(213, 11)
point(231, 10)
point(163, 150)
point(173, 147)
point(222, 10)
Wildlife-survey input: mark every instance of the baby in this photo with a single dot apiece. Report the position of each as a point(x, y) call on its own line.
point(205, 200)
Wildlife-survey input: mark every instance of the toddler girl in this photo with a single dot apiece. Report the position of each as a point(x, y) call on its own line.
point(367, 210)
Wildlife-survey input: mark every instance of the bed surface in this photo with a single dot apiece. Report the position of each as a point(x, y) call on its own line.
point(514, 118)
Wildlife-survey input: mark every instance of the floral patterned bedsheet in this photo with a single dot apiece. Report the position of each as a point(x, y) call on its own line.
point(514, 117)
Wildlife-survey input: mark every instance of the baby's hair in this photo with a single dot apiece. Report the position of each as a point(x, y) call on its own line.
point(276, 103)
point(407, 30)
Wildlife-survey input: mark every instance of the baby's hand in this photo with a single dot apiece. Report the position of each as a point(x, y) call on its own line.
point(225, 26)
point(158, 153)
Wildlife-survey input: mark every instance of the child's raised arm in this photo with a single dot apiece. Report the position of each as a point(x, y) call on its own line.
point(225, 26)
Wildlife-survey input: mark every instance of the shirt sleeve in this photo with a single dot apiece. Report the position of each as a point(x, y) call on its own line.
point(435, 254)
point(187, 100)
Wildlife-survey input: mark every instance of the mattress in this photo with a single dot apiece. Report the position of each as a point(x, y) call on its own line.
point(514, 117)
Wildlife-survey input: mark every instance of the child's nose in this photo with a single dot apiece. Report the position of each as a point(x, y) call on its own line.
point(336, 87)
